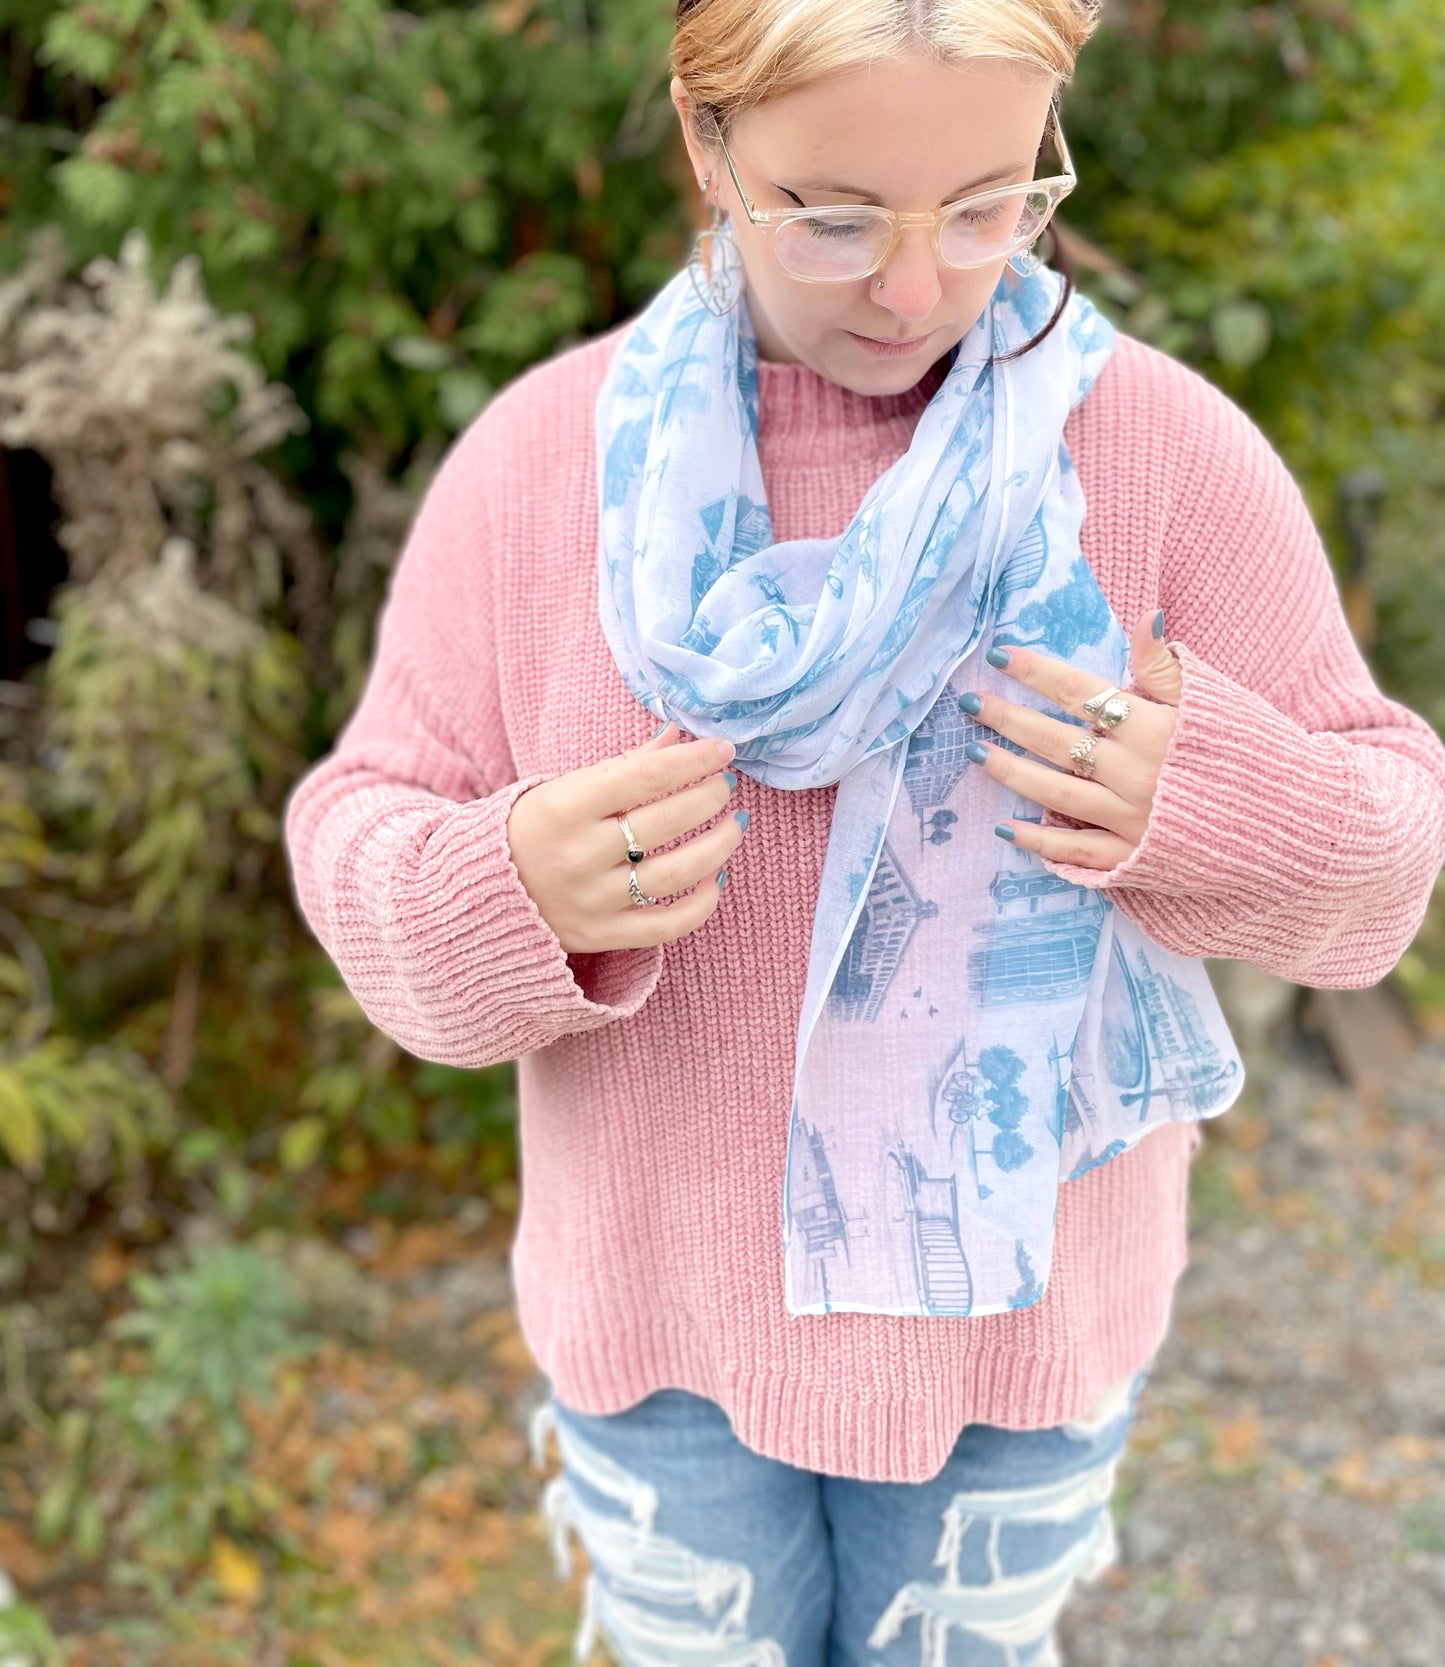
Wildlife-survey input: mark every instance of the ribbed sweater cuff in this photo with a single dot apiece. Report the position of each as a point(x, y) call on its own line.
point(490, 977)
point(1249, 806)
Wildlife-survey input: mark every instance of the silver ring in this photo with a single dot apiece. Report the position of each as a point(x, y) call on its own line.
point(1082, 753)
point(639, 896)
point(1108, 709)
point(635, 853)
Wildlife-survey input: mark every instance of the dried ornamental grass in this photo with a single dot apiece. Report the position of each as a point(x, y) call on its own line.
point(152, 419)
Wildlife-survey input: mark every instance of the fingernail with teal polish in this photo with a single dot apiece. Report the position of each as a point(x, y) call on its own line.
point(731, 779)
point(722, 878)
point(977, 752)
point(741, 818)
point(997, 656)
point(971, 703)
point(1004, 831)
point(1159, 623)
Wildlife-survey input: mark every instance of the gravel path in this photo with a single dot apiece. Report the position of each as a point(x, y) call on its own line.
point(1282, 1503)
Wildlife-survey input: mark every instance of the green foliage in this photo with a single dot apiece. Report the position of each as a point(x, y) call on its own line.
point(91, 1112)
point(22, 834)
point(350, 1087)
point(411, 205)
point(174, 725)
point(148, 1460)
point(1421, 972)
point(1271, 174)
point(356, 1088)
point(71, 1116)
point(25, 1636)
point(210, 1333)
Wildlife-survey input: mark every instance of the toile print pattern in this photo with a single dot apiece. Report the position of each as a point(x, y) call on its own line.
point(975, 1030)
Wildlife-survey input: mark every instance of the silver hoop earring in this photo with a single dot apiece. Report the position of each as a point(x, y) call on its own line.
point(1025, 262)
point(715, 265)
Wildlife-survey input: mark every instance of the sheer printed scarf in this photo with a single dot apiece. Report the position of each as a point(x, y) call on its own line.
point(975, 1029)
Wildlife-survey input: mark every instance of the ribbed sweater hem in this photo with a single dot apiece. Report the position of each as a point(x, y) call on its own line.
point(846, 1431)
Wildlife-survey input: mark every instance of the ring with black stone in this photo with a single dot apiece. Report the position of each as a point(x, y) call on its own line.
point(635, 853)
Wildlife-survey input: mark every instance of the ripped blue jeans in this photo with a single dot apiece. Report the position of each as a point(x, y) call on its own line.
point(703, 1553)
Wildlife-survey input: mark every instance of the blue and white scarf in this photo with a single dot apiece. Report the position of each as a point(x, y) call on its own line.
point(975, 1029)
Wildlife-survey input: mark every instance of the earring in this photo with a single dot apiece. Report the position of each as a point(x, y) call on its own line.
point(715, 265)
point(1025, 262)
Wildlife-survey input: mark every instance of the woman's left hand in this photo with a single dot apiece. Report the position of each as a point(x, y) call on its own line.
point(1119, 795)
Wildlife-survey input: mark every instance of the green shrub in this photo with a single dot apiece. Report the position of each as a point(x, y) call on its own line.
point(148, 1459)
point(1271, 174)
point(410, 204)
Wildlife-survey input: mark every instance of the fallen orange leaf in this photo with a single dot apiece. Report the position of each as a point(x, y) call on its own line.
point(19, 1557)
point(1351, 1474)
point(348, 1540)
point(1238, 1441)
point(511, 1352)
point(108, 1268)
point(496, 1636)
point(421, 1245)
point(1245, 1182)
point(486, 1326)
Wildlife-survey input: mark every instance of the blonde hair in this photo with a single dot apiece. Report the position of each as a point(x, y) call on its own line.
point(734, 54)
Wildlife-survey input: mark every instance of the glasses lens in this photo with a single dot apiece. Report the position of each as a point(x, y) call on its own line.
point(841, 243)
point(981, 232)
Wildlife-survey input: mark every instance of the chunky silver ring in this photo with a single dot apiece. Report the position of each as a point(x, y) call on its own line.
point(639, 896)
point(1108, 709)
point(1082, 753)
point(635, 853)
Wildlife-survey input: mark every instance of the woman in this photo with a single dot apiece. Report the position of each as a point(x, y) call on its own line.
point(821, 509)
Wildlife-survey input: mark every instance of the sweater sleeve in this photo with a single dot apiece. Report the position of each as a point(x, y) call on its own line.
point(397, 840)
point(1299, 818)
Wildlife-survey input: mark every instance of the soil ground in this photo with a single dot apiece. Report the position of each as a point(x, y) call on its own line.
point(1282, 1503)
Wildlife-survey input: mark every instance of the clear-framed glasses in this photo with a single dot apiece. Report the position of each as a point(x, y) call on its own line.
point(839, 242)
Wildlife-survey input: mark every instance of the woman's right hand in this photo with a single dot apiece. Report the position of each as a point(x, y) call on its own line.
point(568, 848)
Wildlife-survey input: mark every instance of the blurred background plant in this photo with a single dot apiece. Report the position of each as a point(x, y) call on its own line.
point(1264, 176)
point(146, 1464)
point(258, 265)
point(410, 203)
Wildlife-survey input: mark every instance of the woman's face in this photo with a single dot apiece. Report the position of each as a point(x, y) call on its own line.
point(911, 134)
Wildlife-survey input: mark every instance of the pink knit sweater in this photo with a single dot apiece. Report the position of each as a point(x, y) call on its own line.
point(1299, 824)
